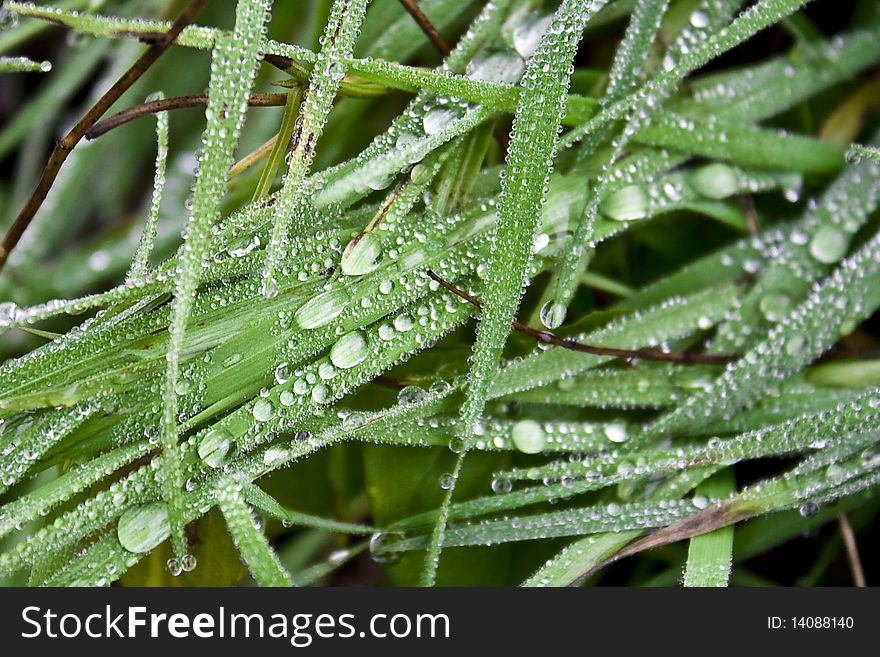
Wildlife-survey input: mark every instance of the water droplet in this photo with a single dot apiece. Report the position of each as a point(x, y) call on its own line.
point(214, 447)
point(700, 502)
point(380, 547)
point(794, 345)
point(361, 255)
point(447, 481)
point(456, 445)
point(320, 393)
point(144, 527)
point(188, 563)
point(502, 486)
point(403, 323)
point(263, 410)
point(436, 120)
point(699, 20)
point(553, 314)
point(715, 181)
point(322, 309)
point(828, 245)
point(410, 395)
point(808, 509)
point(775, 306)
point(527, 35)
point(626, 204)
point(349, 350)
point(8, 19)
point(853, 156)
point(616, 432)
point(282, 373)
point(354, 420)
point(528, 437)
point(173, 566)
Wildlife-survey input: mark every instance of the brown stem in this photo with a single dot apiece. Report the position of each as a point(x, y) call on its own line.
point(177, 102)
point(67, 143)
point(565, 343)
point(443, 48)
point(852, 551)
point(747, 204)
point(427, 26)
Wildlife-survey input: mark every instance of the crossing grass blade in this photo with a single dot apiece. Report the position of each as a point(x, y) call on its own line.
point(339, 403)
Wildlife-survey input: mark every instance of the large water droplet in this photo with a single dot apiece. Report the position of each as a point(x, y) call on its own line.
point(215, 446)
point(321, 309)
point(553, 314)
point(361, 255)
point(263, 410)
point(527, 36)
point(349, 350)
point(828, 245)
point(380, 544)
point(775, 306)
point(142, 528)
point(626, 204)
point(528, 437)
point(715, 181)
point(616, 432)
point(410, 395)
point(436, 120)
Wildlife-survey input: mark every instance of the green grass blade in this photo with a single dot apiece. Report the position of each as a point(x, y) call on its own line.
point(141, 262)
point(710, 555)
point(342, 30)
point(248, 538)
point(234, 65)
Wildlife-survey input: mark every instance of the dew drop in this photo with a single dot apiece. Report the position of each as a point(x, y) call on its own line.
point(144, 527)
point(626, 204)
point(354, 420)
point(349, 350)
point(361, 255)
point(282, 373)
point(502, 486)
point(775, 306)
point(528, 437)
point(320, 393)
point(263, 410)
point(380, 547)
point(715, 181)
point(322, 309)
point(808, 509)
point(553, 314)
point(616, 432)
point(214, 447)
point(828, 245)
point(410, 395)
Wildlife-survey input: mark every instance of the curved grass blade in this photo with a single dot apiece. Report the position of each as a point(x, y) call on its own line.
point(141, 262)
point(248, 538)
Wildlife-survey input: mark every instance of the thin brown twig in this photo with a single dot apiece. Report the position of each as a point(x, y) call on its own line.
point(574, 345)
point(176, 102)
point(427, 26)
point(443, 48)
point(852, 551)
point(65, 146)
point(747, 204)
